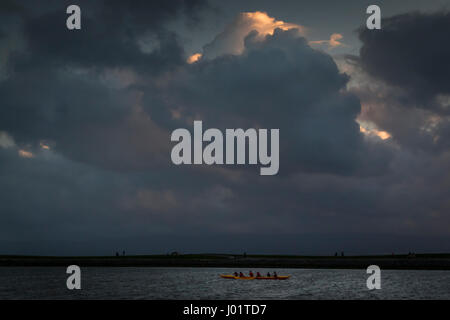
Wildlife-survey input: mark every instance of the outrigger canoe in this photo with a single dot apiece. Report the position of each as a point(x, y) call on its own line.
point(230, 276)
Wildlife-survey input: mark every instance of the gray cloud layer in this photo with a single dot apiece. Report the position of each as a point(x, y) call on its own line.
point(105, 100)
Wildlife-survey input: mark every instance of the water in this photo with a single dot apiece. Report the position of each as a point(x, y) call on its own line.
point(205, 283)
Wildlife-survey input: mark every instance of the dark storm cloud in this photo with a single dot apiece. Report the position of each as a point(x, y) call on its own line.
point(34, 105)
point(70, 87)
point(10, 6)
point(411, 51)
point(105, 101)
point(110, 35)
point(280, 82)
point(299, 91)
point(406, 69)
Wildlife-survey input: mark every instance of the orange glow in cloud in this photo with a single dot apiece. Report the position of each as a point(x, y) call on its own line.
point(194, 58)
point(261, 22)
point(333, 42)
point(25, 154)
point(383, 135)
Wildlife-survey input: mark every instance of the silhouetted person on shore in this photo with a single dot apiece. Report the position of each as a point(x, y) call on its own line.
point(342, 253)
point(258, 274)
point(241, 274)
point(335, 254)
point(268, 274)
point(236, 274)
point(275, 274)
point(117, 254)
point(250, 273)
point(123, 253)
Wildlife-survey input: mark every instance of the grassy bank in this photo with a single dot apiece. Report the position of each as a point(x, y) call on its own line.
point(419, 261)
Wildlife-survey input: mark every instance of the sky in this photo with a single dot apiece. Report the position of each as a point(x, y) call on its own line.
point(86, 118)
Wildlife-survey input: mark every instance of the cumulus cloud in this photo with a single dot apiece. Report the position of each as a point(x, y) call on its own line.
point(300, 91)
point(231, 40)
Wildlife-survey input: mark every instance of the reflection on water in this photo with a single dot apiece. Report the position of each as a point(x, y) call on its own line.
point(205, 283)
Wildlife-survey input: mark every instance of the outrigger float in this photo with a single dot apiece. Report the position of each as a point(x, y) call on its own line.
point(230, 276)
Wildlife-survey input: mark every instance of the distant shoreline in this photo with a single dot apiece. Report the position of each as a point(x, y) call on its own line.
point(403, 262)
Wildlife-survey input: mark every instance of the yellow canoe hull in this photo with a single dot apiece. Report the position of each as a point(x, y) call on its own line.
point(230, 276)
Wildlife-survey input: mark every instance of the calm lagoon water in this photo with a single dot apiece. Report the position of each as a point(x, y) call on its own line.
point(205, 283)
